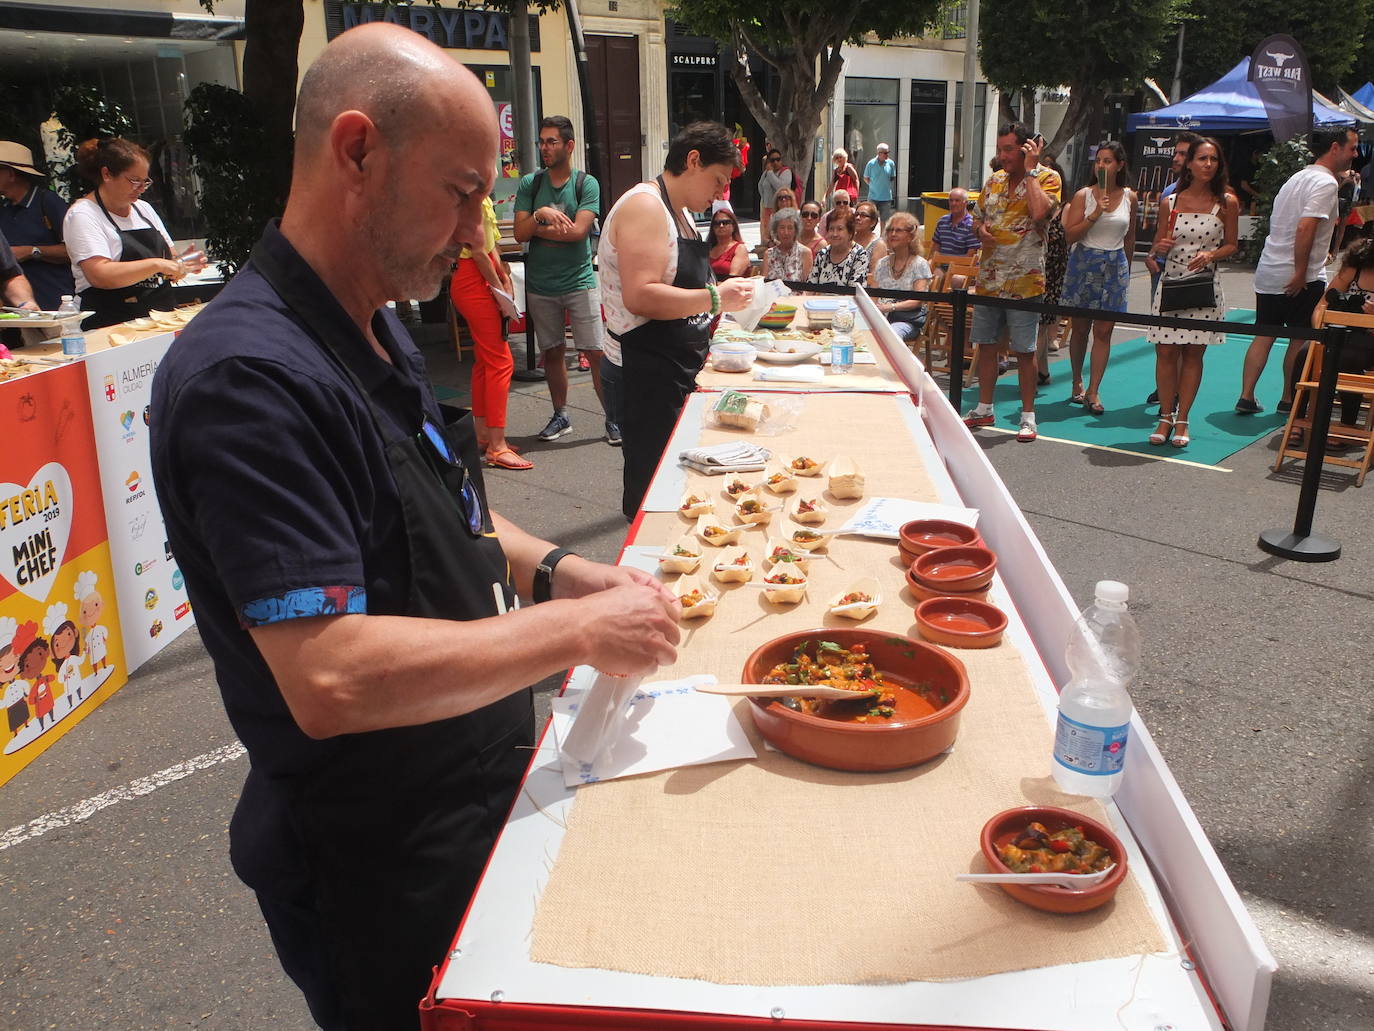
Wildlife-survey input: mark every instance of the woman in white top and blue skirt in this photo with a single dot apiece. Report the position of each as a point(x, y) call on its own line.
point(1100, 226)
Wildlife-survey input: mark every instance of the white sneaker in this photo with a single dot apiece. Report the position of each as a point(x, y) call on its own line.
point(1027, 432)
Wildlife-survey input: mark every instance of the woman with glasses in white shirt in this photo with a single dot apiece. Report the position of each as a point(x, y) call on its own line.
point(121, 254)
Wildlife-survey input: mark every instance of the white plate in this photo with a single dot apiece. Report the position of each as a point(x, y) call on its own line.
point(805, 352)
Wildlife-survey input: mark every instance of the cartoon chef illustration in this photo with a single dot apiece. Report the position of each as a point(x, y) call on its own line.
point(13, 692)
point(66, 651)
point(32, 661)
point(94, 637)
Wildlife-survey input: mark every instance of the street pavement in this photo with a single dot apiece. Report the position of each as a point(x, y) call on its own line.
point(121, 911)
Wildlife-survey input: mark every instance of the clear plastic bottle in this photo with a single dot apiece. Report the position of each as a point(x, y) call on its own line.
point(842, 342)
point(73, 339)
point(1103, 655)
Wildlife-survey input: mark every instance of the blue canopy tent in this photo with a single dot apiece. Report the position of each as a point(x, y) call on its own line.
point(1365, 95)
point(1229, 104)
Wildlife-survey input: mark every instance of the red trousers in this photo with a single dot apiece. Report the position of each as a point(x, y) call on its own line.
point(492, 364)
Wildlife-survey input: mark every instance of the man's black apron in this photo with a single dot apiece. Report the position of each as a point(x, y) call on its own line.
point(661, 360)
point(136, 300)
point(397, 828)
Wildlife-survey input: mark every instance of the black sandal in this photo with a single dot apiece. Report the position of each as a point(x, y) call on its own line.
point(1043, 378)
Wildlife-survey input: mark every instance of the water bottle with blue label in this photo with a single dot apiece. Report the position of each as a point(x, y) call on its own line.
point(1103, 655)
point(73, 340)
point(842, 343)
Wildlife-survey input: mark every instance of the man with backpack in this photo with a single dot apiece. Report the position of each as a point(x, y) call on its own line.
point(555, 214)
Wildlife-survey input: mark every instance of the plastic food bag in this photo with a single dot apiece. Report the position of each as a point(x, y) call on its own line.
point(740, 411)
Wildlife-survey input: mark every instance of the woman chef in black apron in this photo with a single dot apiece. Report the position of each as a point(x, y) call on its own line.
point(121, 255)
point(663, 325)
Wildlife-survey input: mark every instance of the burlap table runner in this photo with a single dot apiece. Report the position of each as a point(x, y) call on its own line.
point(773, 871)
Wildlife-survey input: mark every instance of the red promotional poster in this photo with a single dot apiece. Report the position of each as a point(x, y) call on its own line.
point(61, 650)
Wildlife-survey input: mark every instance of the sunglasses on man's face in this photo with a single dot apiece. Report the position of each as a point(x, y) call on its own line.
point(811, 214)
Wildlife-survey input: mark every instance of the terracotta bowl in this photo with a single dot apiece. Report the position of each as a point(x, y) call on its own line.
point(960, 622)
point(968, 568)
point(922, 535)
point(864, 747)
point(1050, 897)
point(921, 592)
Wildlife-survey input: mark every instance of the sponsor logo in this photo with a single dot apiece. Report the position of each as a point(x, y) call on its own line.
point(137, 525)
point(135, 484)
point(126, 419)
point(178, 581)
point(109, 388)
point(147, 418)
point(142, 567)
point(136, 379)
point(155, 629)
point(150, 599)
point(184, 609)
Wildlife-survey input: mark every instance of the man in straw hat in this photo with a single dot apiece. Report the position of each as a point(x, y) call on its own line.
point(31, 220)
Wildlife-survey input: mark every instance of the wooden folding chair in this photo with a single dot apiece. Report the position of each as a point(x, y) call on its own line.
point(939, 328)
point(1305, 398)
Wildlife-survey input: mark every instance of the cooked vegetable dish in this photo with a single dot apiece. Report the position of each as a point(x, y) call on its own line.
point(1036, 850)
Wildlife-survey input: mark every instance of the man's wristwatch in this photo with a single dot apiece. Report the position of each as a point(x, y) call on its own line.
point(543, 573)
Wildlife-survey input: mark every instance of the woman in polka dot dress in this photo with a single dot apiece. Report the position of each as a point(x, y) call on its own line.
point(1197, 228)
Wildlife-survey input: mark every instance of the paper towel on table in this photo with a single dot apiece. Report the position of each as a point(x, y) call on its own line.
point(884, 517)
point(789, 374)
point(660, 726)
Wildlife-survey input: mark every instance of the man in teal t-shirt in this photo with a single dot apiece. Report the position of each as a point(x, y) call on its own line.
point(555, 212)
point(878, 174)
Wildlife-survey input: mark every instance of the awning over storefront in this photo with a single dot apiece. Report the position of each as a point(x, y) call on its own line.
point(89, 21)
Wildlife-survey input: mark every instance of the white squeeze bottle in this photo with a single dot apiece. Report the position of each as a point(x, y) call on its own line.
point(1103, 655)
point(73, 340)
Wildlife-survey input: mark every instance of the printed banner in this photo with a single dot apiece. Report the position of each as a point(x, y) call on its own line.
point(1154, 157)
point(61, 647)
point(149, 587)
point(1278, 68)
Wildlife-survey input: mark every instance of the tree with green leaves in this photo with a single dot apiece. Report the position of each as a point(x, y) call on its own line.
point(802, 41)
point(1086, 45)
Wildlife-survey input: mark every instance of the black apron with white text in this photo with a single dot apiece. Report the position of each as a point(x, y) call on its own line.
point(112, 306)
point(396, 829)
point(661, 360)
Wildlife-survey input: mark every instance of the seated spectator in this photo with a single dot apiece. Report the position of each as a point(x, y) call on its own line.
point(787, 259)
point(841, 262)
point(839, 201)
point(868, 231)
point(954, 234)
point(729, 256)
point(810, 237)
point(902, 268)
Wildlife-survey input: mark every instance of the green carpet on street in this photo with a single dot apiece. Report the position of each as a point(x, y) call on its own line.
point(1216, 430)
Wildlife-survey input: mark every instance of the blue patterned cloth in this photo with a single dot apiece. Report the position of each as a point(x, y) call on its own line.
point(1096, 279)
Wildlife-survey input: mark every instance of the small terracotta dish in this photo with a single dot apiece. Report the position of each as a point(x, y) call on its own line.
point(967, 568)
point(935, 675)
point(922, 535)
point(1051, 898)
point(961, 622)
point(921, 592)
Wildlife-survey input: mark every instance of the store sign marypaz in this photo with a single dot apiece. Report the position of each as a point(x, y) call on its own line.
point(451, 27)
point(61, 646)
point(148, 583)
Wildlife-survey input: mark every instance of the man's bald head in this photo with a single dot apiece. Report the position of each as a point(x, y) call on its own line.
point(396, 77)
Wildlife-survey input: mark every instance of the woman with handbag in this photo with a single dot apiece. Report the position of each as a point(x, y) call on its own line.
point(1197, 228)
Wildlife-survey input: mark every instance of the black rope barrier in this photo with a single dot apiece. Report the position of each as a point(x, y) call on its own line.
point(1301, 544)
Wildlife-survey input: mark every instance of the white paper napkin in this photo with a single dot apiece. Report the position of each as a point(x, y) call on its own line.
point(660, 727)
point(789, 374)
point(884, 517)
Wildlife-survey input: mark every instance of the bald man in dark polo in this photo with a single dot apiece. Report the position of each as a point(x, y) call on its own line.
point(356, 592)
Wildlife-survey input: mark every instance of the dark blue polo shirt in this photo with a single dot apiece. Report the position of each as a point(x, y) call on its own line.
point(9, 268)
point(274, 483)
point(35, 222)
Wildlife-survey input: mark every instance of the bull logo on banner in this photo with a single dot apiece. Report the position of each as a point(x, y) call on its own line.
point(1279, 70)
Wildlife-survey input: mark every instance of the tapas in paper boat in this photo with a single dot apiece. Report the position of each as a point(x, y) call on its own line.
point(857, 601)
point(694, 504)
point(697, 598)
point(802, 465)
point(786, 554)
point(753, 508)
point(809, 511)
point(785, 584)
point(846, 480)
point(779, 481)
point(806, 538)
point(715, 533)
point(682, 557)
point(733, 566)
point(735, 488)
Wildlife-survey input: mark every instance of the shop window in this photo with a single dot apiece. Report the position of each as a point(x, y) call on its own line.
point(870, 118)
point(501, 89)
point(978, 158)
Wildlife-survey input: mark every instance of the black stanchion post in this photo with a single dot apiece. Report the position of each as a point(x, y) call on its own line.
point(1302, 545)
point(957, 335)
point(531, 373)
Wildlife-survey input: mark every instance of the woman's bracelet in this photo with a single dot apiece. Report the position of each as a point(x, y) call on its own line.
point(715, 299)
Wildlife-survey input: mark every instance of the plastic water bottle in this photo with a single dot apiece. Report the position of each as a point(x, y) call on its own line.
point(1103, 655)
point(842, 343)
point(73, 340)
